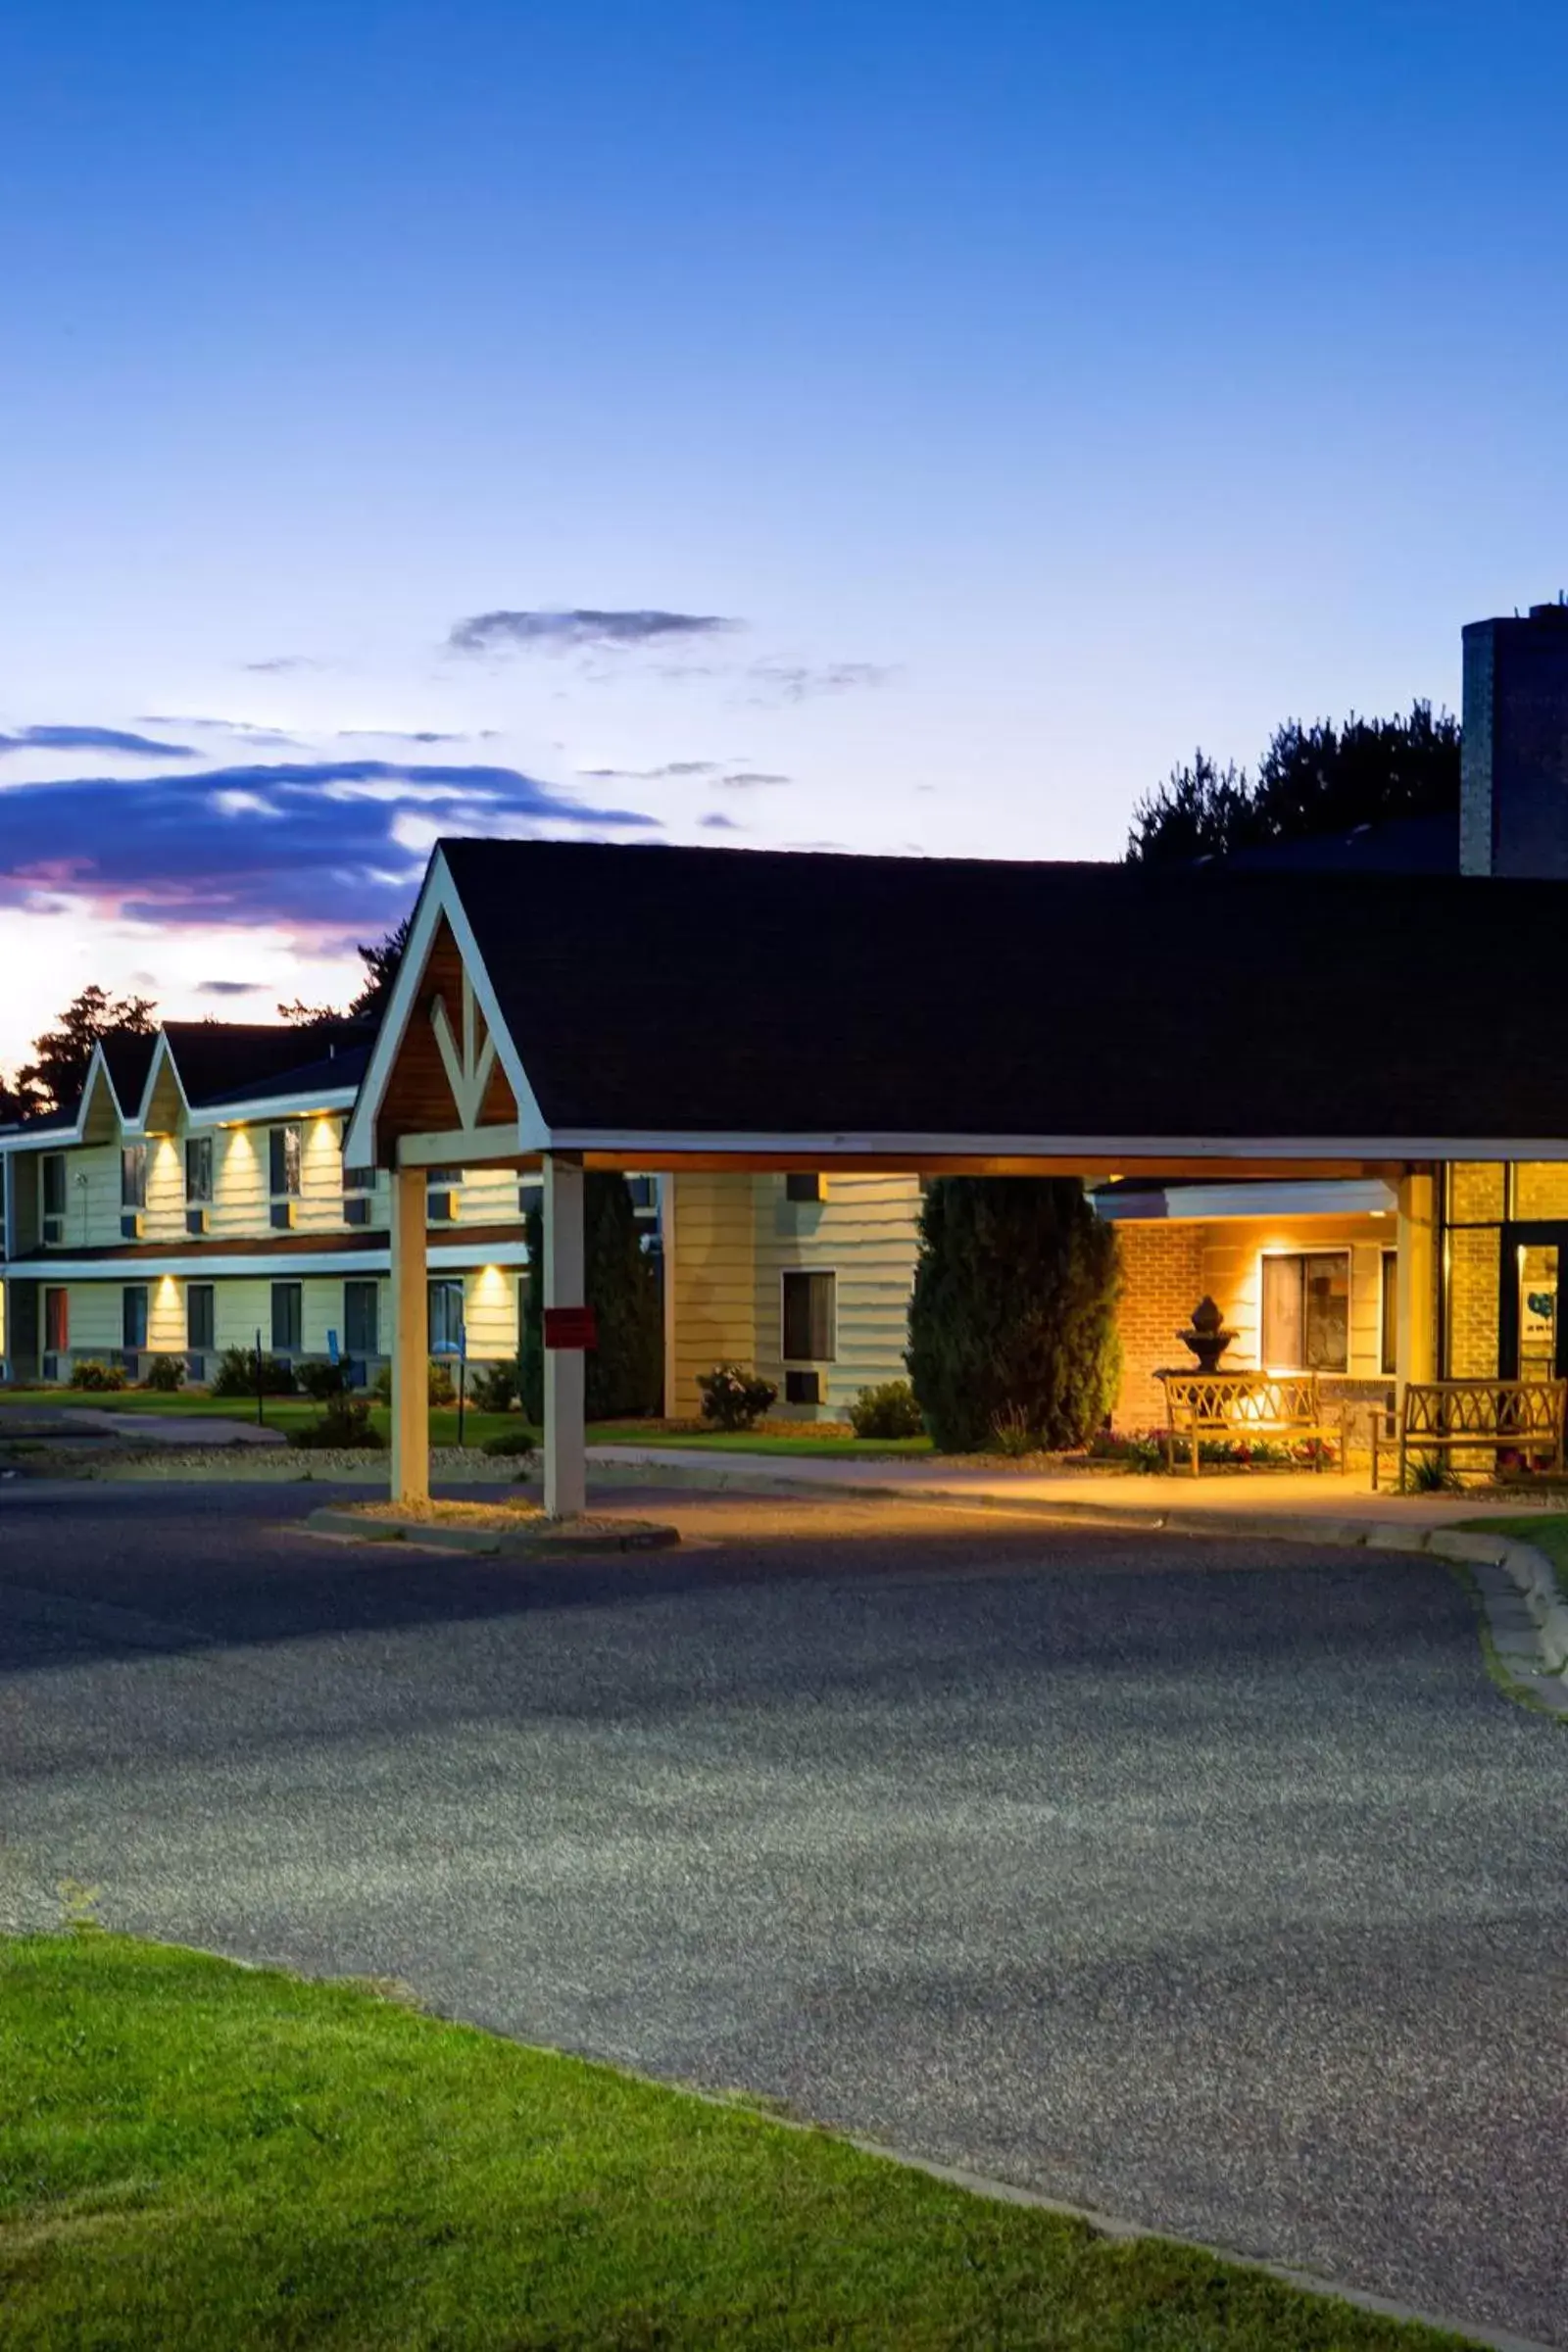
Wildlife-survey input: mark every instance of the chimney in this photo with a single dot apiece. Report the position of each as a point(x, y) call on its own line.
point(1513, 807)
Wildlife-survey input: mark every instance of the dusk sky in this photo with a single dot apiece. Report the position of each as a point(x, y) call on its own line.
point(904, 428)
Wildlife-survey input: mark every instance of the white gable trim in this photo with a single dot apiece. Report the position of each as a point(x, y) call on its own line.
point(438, 898)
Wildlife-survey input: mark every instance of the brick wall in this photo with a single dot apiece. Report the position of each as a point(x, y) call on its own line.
point(1162, 1281)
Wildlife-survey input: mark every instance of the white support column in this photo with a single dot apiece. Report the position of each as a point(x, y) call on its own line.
point(565, 1439)
point(411, 1341)
point(1415, 1354)
point(667, 1245)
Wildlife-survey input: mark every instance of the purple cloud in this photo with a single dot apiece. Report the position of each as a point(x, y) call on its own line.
point(92, 738)
point(332, 844)
point(550, 631)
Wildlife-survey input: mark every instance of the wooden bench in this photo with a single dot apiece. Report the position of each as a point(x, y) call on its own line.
point(1446, 1416)
point(1283, 1407)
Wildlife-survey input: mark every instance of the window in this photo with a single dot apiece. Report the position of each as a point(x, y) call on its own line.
point(1388, 1361)
point(56, 1321)
point(809, 1318)
point(133, 1176)
point(54, 1184)
point(1307, 1312)
point(446, 1317)
point(198, 1168)
point(133, 1317)
point(803, 1188)
point(358, 1179)
point(361, 1335)
point(284, 1160)
point(201, 1321)
point(287, 1318)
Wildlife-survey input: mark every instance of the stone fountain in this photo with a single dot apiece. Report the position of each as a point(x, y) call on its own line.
point(1207, 1336)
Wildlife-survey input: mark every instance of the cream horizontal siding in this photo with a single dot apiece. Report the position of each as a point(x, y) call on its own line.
point(714, 1285)
point(490, 1312)
point(1233, 1254)
point(489, 1197)
point(864, 1232)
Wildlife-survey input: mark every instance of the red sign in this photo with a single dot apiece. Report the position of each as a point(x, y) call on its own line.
point(571, 1327)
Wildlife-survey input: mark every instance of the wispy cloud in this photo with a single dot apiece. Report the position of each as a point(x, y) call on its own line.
point(323, 844)
point(277, 664)
point(716, 821)
point(245, 730)
point(404, 735)
point(743, 779)
point(799, 681)
point(94, 739)
point(651, 775)
point(230, 988)
point(582, 629)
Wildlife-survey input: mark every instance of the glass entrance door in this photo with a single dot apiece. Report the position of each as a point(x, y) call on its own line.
point(1531, 1342)
point(1537, 1265)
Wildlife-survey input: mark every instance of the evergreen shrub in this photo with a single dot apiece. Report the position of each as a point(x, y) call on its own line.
point(165, 1374)
point(734, 1398)
point(886, 1411)
point(1013, 1318)
point(91, 1374)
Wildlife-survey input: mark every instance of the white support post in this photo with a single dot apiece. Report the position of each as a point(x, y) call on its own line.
point(1415, 1354)
point(667, 1244)
point(565, 1437)
point(411, 1341)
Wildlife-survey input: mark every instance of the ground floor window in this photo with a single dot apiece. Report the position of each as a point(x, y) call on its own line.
point(56, 1321)
point(200, 1318)
point(289, 1317)
point(361, 1335)
point(809, 1317)
point(1388, 1361)
point(1306, 1310)
point(133, 1317)
point(446, 1317)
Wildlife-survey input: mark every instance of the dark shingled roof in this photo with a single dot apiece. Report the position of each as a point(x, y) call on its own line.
point(129, 1058)
point(235, 1061)
point(1400, 844)
point(721, 991)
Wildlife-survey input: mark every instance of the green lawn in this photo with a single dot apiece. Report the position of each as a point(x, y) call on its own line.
point(286, 1412)
point(203, 2158)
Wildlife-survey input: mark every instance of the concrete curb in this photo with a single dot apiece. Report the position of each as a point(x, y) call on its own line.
point(628, 1535)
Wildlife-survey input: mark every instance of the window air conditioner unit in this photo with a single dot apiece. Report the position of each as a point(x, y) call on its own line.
point(802, 1388)
point(51, 1367)
point(441, 1207)
point(282, 1216)
point(195, 1220)
point(131, 1225)
point(54, 1231)
point(357, 1209)
point(196, 1369)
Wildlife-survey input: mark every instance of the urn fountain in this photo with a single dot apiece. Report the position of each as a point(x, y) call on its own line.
point(1207, 1337)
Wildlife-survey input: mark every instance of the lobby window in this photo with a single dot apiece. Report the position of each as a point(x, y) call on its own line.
point(809, 1318)
point(133, 1317)
point(284, 1160)
point(1306, 1310)
point(198, 1169)
point(201, 1320)
point(133, 1176)
point(289, 1317)
point(1388, 1361)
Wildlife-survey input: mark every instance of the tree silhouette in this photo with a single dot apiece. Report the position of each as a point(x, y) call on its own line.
point(58, 1070)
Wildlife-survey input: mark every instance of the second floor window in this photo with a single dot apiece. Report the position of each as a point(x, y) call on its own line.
point(198, 1168)
point(133, 1176)
point(284, 1160)
point(54, 1184)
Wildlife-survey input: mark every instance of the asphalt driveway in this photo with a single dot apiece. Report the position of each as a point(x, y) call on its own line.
point(1212, 1886)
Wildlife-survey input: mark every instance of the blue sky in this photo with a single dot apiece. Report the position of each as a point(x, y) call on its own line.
point(905, 427)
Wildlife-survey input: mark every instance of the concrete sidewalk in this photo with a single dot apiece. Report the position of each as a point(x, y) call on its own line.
point(1285, 1494)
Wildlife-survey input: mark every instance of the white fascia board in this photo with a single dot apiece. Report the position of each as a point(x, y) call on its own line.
point(438, 897)
point(186, 1266)
point(359, 1136)
point(272, 1106)
point(1207, 1203)
point(661, 1147)
point(57, 1139)
point(163, 1051)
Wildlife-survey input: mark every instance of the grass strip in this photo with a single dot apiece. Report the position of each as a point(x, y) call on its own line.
point(195, 2154)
